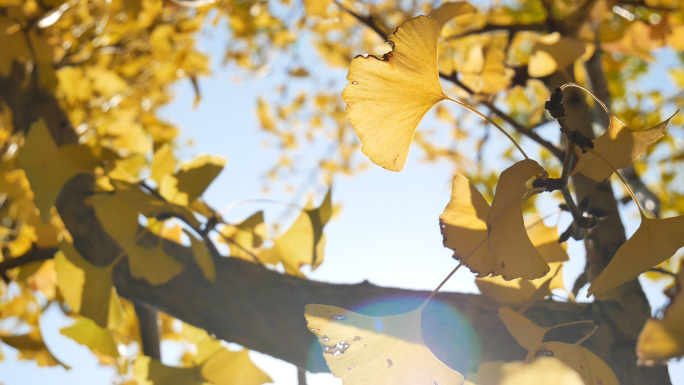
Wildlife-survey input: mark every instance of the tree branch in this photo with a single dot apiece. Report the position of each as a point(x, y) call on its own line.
point(264, 310)
point(149, 329)
point(33, 255)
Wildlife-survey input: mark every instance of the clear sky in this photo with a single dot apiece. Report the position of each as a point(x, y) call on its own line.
point(387, 232)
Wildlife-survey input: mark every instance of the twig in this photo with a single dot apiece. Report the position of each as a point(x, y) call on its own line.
point(149, 330)
point(33, 255)
point(510, 28)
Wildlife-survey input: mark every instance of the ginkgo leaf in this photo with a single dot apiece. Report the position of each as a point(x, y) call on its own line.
point(221, 366)
point(247, 236)
point(552, 53)
point(508, 239)
point(86, 332)
point(264, 110)
point(449, 10)
point(163, 163)
point(32, 347)
point(203, 258)
point(662, 339)
point(654, 241)
point(319, 218)
point(528, 334)
point(46, 168)
point(377, 350)
point(590, 367)
point(386, 99)
point(119, 217)
point(149, 371)
point(303, 243)
point(517, 291)
point(542, 371)
point(192, 179)
point(619, 146)
point(464, 227)
point(485, 72)
point(85, 286)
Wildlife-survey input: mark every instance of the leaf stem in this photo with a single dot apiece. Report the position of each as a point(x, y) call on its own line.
point(587, 336)
point(485, 117)
point(622, 179)
point(434, 292)
point(570, 324)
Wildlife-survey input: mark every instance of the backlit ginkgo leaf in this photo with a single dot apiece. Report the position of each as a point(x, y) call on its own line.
point(221, 366)
point(32, 347)
point(149, 371)
point(386, 98)
point(319, 218)
point(304, 242)
point(85, 286)
point(247, 236)
point(662, 339)
point(386, 350)
point(552, 53)
point(464, 226)
point(485, 72)
point(119, 217)
point(192, 179)
point(449, 10)
point(542, 371)
point(528, 334)
point(517, 291)
point(86, 332)
point(620, 146)
point(46, 168)
point(654, 241)
point(508, 239)
point(590, 367)
point(203, 258)
point(264, 111)
point(163, 163)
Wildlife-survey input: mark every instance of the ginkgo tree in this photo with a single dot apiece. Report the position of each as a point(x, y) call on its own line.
point(101, 218)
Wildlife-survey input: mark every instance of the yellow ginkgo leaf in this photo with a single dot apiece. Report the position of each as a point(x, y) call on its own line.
point(662, 339)
point(319, 218)
point(247, 236)
point(86, 332)
point(590, 367)
point(46, 168)
point(449, 10)
point(464, 227)
point(85, 287)
point(377, 350)
point(163, 163)
point(32, 347)
point(485, 72)
point(264, 110)
point(528, 334)
point(542, 371)
point(386, 99)
point(619, 147)
point(203, 258)
point(149, 371)
point(508, 239)
point(552, 53)
point(119, 217)
point(221, 366)
point(304, 242)
point(654, 241)
point(192, 179)
point(517, 291)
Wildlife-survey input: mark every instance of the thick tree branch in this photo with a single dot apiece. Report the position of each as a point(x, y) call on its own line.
point(149, 329)
point(263, 310)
